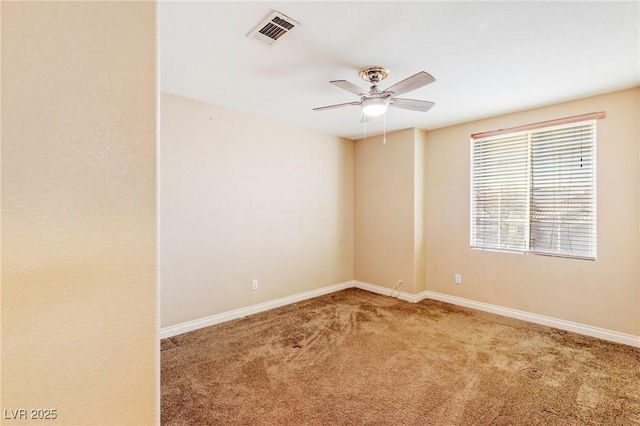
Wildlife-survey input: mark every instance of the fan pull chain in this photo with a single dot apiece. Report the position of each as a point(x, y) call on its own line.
point(384, 128)
point(364, 127)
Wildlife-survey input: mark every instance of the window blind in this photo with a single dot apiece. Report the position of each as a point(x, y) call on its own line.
point(500, 192)
point(534, 191)
point(563, 214)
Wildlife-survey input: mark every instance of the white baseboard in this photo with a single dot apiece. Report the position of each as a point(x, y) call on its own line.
point(587, 330)
point(601, 333)
point(249, 310)
point(613, 336)
point(413, 298)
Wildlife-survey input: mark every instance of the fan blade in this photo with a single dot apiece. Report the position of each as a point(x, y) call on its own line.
point(411, 83)
point(349, 87)
point(336, 106)
point(412, 104)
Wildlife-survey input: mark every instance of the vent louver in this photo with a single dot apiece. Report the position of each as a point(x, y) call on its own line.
point(271, 29)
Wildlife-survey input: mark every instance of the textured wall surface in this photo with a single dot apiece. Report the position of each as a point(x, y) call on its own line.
point(78, 212)
point(385, 210)
point(245, 198)
point(602, 293)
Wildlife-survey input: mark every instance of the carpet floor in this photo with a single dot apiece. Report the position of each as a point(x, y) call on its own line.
point(358, 358)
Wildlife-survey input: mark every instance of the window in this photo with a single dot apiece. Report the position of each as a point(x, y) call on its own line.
point(533, 189)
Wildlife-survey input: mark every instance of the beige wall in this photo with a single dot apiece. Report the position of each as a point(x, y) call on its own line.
point(419, 219)
point(244, 198)
point(385, 228)
point(78, 221)
point(602, 293)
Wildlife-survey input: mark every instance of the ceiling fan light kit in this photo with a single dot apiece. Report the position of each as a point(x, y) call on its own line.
point(375, 102)
point(375, 107)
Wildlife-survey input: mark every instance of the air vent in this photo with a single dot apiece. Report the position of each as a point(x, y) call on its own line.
point(271, 29)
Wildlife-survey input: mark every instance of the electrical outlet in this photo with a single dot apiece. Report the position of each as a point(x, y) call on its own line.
point(254, 285)
point(458, 278)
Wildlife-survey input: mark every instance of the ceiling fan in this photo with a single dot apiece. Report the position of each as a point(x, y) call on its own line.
point(375, 102)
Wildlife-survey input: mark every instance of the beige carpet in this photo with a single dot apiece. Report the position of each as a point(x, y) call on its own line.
point(357, 358)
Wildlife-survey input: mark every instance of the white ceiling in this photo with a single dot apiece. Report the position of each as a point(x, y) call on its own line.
point(488, 58)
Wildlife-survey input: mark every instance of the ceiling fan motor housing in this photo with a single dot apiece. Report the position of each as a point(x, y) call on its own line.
point(374, 74)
